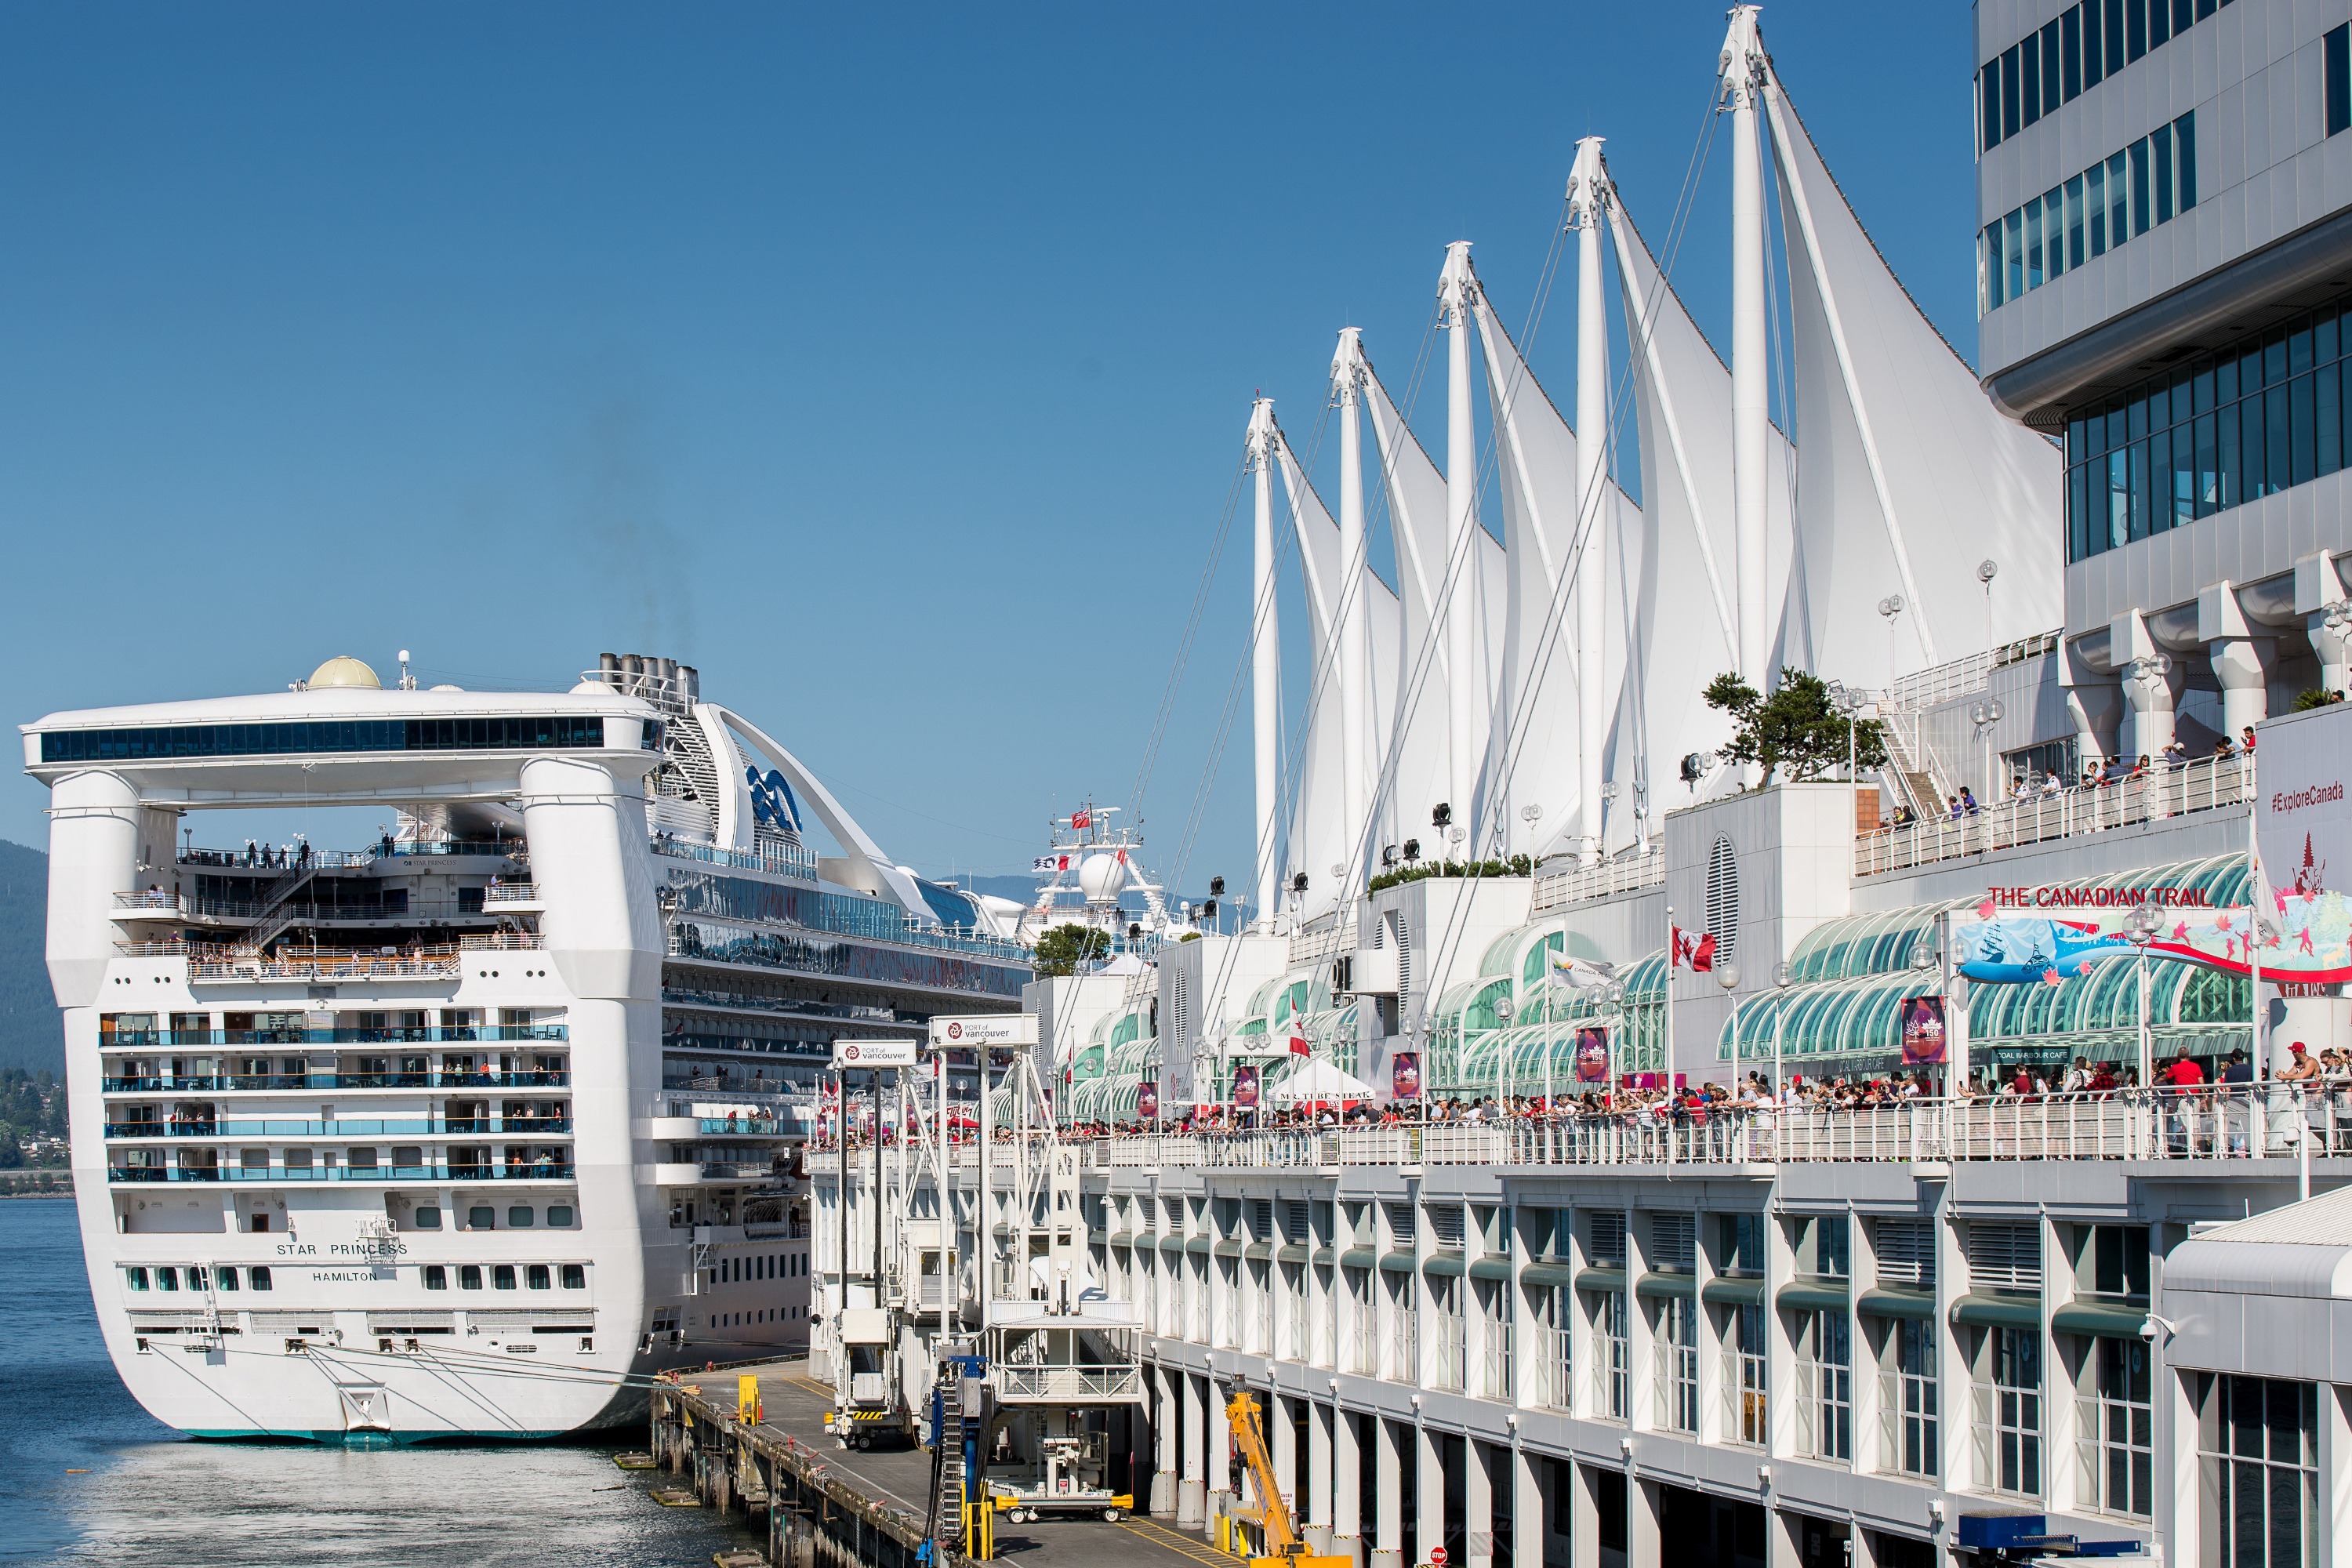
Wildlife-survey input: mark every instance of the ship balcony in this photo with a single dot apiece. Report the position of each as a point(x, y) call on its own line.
point(707, 1172)
point(346, 1129)
point(536, 1171)
point(340, 1081)
point(151, 905)
point(511, 898)
point(447, 1034)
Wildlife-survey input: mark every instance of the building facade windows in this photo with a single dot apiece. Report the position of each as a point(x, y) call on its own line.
point(2335, 58)
point(2115, 1426)
point(2007, 1393)
point(1677, 1352)
point(2065, 57)
point(1612, 1358)
point(2263, 415)
point(1825, 1385)
point(2258, 1468)
point(2120, 198)
point(1907, 1406)
point(1744, 1386)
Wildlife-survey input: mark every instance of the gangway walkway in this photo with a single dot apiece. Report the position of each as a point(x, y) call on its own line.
point(847, 1508)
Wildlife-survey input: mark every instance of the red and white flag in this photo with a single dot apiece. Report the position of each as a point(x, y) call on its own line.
point(1079, 819)
point(1694, 950)
point(1297, 1044)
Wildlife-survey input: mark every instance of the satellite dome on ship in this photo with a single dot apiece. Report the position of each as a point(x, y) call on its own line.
point(344, 671)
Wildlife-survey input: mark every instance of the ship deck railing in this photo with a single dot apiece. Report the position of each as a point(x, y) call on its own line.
point(211, 1083)
point(421, 1034)
point(144, 1175)
point(347, 1127)
point(1067, 1384)
point(2160, 794)
point(2238, 1121)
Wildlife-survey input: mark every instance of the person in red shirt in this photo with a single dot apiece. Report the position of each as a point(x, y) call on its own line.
point(2184, 1072)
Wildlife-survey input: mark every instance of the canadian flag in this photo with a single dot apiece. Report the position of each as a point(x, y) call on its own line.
point(1297, 1044)
point(1694, 950)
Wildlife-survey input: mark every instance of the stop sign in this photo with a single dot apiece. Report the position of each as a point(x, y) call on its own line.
point(1437, 1557)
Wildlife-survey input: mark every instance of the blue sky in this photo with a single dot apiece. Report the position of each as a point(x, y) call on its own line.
point(890, 364)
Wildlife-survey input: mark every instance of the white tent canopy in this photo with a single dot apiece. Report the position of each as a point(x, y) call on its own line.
point(1322, 1080)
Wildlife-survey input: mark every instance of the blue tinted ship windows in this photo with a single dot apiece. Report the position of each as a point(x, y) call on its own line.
point(575, 1276)
point(469, 1277)
point(537, 1276)
point(502, 1277)
point(436, 1278)
point(519, 1217)
point(481, 1216)
point(260, 1275)
point(534, 731)
point(428, 1216)
point(560, 1215)
point(136, 1278)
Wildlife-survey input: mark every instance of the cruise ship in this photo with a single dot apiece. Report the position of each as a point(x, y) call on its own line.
point(2087, 607)
point(468, 1127)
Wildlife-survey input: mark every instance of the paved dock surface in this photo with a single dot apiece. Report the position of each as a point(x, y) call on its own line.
point(796, 1405)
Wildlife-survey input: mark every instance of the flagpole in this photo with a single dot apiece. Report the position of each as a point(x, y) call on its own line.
point(1673, 955)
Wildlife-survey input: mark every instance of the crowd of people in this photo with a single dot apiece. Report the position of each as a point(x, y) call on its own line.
point(2185, 1084)
point(2031, 786)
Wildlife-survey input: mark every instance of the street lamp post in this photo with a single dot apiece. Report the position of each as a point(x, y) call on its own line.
point(1728, 977)
point(1504, 1008)
point(1781, 979)
point(2146, 920)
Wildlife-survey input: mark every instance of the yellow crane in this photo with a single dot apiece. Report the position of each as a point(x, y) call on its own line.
point(1283, 1547)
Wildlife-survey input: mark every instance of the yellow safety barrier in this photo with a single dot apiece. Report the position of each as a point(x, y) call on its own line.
point(747, 1400)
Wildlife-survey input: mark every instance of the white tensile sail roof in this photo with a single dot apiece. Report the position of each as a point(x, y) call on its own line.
point(1415, 778)
point(1534, 757)
point(1320, 835)
point(1909, 475)
point(1689, 592)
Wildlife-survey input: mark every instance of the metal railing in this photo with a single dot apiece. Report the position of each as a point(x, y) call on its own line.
point(431, 964)
point(356, 1127)
point(452, 1034)
point(503, 941)
point(1308, 946)
point(1557, 890)
point(2232, 1121)
point(202, 1083)
point(498, 893)
point(2200, 785)
point(782, 860)
point(152, 1173)
point(1069, 1384)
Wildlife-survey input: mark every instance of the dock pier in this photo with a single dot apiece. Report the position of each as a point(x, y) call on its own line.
point(819, 1505)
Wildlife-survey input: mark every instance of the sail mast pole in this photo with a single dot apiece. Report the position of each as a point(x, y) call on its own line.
point(1588, 198)
point(1266, 669)
point(1742, 74)
point(1462, 630)
point(1355, 658)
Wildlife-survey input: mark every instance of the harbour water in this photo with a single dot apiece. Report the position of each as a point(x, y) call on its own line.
point(88, 1476)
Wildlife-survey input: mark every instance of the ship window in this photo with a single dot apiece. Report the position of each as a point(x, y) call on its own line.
point(362, 1158)
point(436, 1276)
point(502, 1275)
point(260, 1275)
point(195, 1277)
point(428, 1216)
point(537, 1276)
point(227, 1276)
point(138, 1279)
point(558, 1215)
point(519, 1217)
point(575, 1276)
point(167, 1278)
point(469, 1277)
point(481, 1216)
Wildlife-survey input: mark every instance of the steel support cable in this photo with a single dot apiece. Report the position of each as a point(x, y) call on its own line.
point(1523, 699)
point(1184, 642)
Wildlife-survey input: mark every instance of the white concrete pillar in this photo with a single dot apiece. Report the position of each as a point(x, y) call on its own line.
point(1587, 195)
point(1527, 1523)
point(2095, 705)
point(2326, 612)
point(1478, 1505)
point(2151, 684)
point(2242, 654)
point(1165, 1461)
point(1642, 1505)
point(1465, 625)
point(1317, 1511)
point(1191, 1493)
point(1347, 1486)
point(1284, 1439)
point(1219, 1457)
point(1389, 1438)
point(1784, 1539)
point(1584, 1527)
point(1429, 1492)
